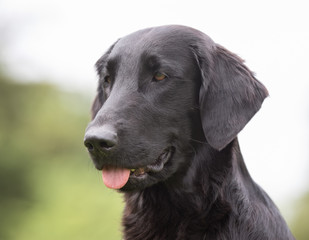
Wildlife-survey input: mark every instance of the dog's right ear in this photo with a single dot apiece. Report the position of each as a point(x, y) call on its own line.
point(100, 98)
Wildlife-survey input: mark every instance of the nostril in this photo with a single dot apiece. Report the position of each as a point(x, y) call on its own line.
point(99, 144)
point(106, 144)
point(89, 146)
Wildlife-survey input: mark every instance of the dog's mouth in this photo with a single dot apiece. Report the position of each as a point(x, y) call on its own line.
point(117, 177)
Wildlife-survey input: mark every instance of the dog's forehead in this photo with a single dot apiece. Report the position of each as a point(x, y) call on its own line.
point(159, 40)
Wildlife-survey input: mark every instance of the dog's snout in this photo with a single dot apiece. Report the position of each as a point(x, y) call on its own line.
point(100, 139)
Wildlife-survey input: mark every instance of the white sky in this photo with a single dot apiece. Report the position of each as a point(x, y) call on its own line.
point(60, 41)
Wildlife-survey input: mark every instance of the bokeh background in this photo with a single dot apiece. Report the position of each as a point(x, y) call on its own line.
point(48, 186)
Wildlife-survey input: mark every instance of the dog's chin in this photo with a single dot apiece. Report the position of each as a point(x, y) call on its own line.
point(143, 177)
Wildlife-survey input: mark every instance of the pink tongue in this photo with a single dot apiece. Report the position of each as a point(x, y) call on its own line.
point(115, 178)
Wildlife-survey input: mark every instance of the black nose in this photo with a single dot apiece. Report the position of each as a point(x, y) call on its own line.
point(100, 139)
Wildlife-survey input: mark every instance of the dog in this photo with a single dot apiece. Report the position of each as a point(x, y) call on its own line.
point(169, 105)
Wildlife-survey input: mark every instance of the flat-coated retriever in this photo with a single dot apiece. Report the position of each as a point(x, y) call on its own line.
point(169, 106)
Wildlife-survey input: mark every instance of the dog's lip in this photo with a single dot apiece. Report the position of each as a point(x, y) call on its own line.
point(155, 167)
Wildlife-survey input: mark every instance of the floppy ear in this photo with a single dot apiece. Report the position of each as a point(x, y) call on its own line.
point(229, 96)
point(100, 98)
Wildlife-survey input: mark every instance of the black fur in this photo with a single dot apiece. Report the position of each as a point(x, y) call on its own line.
point(204, 190)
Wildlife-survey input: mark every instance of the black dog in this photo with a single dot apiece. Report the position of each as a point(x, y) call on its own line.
point(169, 106)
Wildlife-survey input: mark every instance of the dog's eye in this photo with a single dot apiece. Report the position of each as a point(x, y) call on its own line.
point(159, 76)
point(107, 79)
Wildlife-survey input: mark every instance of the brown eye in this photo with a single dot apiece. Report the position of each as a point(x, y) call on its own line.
point(159, 76)
point(107, 79)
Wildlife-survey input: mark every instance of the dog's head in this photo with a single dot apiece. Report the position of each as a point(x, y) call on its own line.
point(160, 90)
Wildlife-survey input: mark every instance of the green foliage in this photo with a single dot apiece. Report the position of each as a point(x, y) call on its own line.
point(48, 186)
point(300, 225)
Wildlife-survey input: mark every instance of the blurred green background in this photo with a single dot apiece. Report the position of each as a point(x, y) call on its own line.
point(49, 188)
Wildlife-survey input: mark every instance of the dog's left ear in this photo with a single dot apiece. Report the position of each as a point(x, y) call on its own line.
point(229, 95)
point(100, 98)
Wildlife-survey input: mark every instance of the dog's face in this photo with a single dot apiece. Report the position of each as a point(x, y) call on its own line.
point(147, 114)
point(147, 96)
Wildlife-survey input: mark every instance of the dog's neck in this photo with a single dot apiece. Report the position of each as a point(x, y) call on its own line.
point(152, 206)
